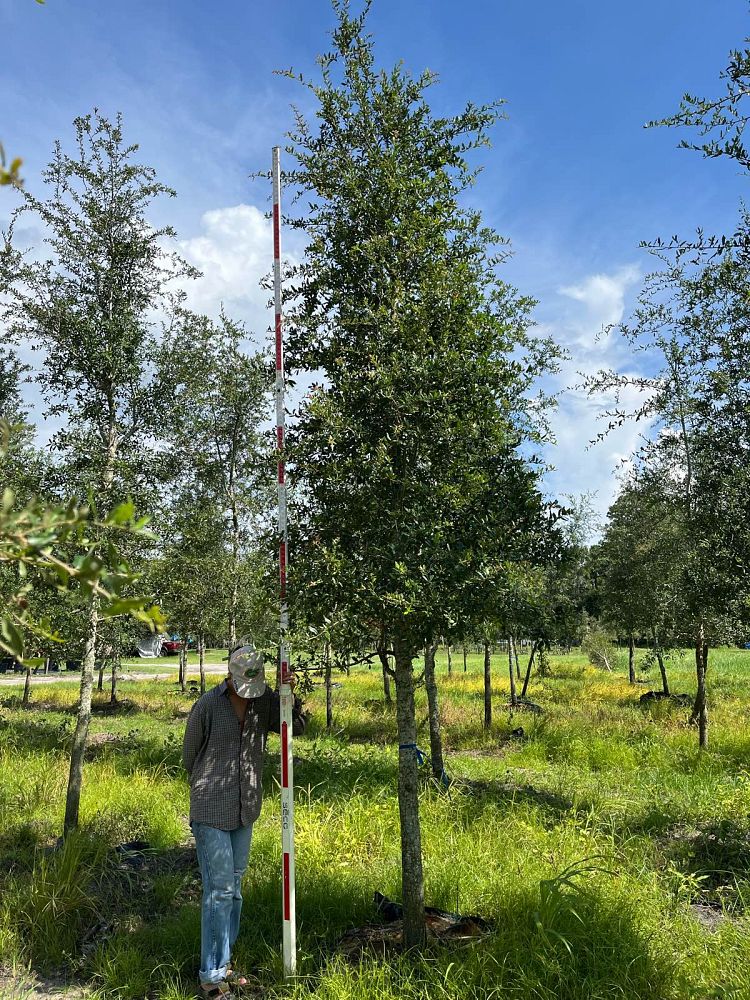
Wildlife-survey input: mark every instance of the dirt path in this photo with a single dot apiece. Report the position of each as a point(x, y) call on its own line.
point(9, 680)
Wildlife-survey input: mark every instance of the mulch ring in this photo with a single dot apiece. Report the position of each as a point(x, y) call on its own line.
point(714, 857)
point(98, 742)
point(381, 939)
point(674, 700)
point(123, 706)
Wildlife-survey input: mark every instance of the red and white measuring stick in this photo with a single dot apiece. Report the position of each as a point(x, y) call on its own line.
point(287, 778)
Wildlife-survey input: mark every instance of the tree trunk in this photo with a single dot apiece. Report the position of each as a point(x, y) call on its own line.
point(450, 660)
point(234, 599)
point(329, 693)
point(529, 665)
point(663, 672)
point(660, 660)
point(433, 708)
point(183, 668)
point(383, 656)
point(412, 878)
point(511, 672)
point(100, 685)
point(631, 659)
point(515, 655)
point(78, 749)
point(464, 659)
point(700, 707)
point(46, 665)
point(202, 660)
point(27, 687)
point(487, 687)
point(113, 688)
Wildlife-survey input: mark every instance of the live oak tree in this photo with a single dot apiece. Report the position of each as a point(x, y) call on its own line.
point(88, 305)
point(637, 563)
point(412, 492)
point(693, 322)
point(193, 577)
point(215, 397)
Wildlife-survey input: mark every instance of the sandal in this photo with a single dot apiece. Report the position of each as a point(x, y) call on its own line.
point(217, 991)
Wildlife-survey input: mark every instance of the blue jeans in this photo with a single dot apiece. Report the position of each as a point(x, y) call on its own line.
point(222, 858)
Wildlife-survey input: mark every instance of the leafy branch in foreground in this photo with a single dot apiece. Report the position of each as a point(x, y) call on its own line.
point(10, 174)
point(37, 536)
point(720, 124)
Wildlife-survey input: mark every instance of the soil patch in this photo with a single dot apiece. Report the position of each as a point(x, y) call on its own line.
point(717, 857)
point(28, 986)
point(708, 916)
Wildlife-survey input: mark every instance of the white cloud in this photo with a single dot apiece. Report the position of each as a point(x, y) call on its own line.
point(602, 302)
point(584, 309)
point(234, 250)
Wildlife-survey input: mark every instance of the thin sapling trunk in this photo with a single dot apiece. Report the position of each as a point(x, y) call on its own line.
point(433, 708)
point(383, 657)
point(631, 659)
point(329, 692)
point(202, 661)
point(700, 708)
point(660, 660)
point(512, 674)
point(75, 777)
point(27, 687)
point(183, 668)
point(487, 686)
point(663, 672)
point(529, 666)
point(113, 686)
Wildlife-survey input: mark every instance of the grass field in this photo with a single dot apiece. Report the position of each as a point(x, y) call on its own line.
point(653, 836)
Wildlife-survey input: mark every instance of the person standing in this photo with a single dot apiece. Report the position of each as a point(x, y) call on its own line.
point(222, 752)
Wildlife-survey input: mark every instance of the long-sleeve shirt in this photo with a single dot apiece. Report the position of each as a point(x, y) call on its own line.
point(224, 757)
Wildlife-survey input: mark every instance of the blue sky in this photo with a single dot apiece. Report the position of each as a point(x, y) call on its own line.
point(573, 178)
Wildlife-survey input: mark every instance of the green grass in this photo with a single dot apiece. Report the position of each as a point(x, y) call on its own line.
point(585, 842)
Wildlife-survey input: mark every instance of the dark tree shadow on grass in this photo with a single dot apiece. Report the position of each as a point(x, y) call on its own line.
point(36, 732)
point(474, 794)
point(587, 945)
point(335, 770)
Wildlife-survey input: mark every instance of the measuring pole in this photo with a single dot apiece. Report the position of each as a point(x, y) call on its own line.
point(287, 778)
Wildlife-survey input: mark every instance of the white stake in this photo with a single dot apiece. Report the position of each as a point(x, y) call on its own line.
point(289, 924)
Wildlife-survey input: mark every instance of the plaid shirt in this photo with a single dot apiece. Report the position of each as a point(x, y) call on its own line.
point(224, 757)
